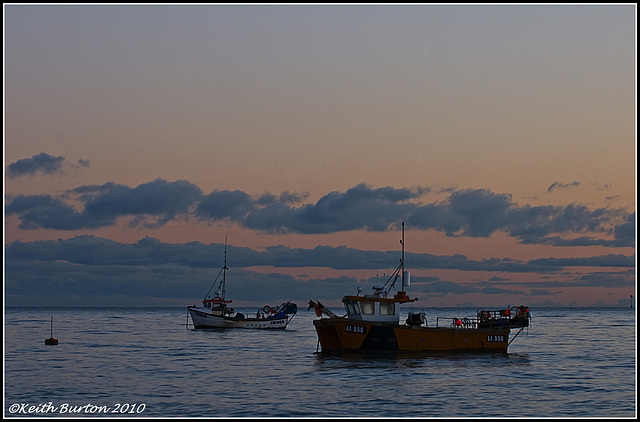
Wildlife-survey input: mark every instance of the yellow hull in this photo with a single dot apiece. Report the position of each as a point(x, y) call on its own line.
point(345, 335)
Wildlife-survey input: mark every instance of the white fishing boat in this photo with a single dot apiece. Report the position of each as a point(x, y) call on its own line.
point(216, 311)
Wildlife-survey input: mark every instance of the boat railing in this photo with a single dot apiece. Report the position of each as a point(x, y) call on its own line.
point(505, 318)
point(462, 323)
point(471, 323)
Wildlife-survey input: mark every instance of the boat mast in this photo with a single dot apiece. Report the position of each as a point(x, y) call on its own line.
point(224, 269)
point(402, 259)
point(399, 272)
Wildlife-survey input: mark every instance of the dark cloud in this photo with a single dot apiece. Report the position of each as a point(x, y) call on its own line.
point(83, 163)
point(223, 205)
point(606, 279)
point(285, 198)
point(359, 208)
point(442, 287)
point(91, 250)
point(550, 224)
point(40, 163)
point(468, 212)
point(610, 260)
point(434, 286)
point(613, 279)
point(476, 213)
point(45, 211)
point(560, 185)
point(57, 280)
point(541, 292)
point(149, 205)
point(625, 233)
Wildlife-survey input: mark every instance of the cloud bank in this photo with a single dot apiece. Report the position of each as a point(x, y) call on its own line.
point(474, 213)
point(92, 250)
point(88, 267)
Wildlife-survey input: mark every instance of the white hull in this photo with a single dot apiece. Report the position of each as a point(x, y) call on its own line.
point(203, 318)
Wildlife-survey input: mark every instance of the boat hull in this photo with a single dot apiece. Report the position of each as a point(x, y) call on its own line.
point(343, 335)
point(205, 319)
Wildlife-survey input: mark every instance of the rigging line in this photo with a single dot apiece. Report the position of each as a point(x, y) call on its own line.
point(395, 278)
point(213, 284)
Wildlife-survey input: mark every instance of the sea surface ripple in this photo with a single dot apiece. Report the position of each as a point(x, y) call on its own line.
point(146, 362)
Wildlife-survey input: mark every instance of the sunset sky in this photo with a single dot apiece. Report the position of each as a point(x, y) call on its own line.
point(137, 138)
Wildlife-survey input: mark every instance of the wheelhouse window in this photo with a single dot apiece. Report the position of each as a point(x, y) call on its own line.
point(368, 308)
point(388, 308)
point(353, 308)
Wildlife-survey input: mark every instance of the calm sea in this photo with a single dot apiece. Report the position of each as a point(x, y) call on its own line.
point(572, 362)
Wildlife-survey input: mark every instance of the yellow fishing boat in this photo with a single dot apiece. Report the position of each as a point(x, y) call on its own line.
point(372, 324)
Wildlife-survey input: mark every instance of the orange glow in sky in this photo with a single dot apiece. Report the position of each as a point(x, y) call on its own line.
point(504, 133)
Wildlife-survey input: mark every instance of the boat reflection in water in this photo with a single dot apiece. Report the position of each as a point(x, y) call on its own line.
point(372, 324)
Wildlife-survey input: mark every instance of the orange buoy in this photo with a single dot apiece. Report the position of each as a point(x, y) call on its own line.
point(51, 341)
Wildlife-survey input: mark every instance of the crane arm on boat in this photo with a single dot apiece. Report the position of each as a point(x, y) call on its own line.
point(320, 309)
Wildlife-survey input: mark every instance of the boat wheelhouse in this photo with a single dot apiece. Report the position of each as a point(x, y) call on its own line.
point(375, 308)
